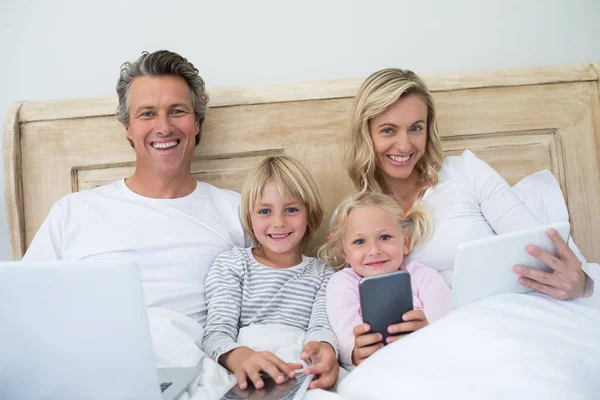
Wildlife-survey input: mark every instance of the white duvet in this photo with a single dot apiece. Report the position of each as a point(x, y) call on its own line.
point(504, 347)
point(177, 342)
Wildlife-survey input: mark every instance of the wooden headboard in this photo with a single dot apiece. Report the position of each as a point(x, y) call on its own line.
point(519, 120)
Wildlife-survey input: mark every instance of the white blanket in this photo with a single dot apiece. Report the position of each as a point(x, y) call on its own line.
point(503, 347)
point(284, 341)
point(177, 340)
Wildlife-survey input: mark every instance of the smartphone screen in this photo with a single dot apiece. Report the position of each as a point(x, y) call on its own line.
point(289, 390)
point(384, 299)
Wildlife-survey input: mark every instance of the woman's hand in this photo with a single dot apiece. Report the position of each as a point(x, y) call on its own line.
point(365, 343)
point(324, 364)
point(413, 320)
point(567, 279)
point(246, 364)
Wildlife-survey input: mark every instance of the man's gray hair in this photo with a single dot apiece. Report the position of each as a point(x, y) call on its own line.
point(160, 63)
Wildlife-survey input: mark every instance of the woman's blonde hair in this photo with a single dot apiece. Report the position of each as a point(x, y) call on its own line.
point(378, 92)
point(416, 221)
point(290, 177)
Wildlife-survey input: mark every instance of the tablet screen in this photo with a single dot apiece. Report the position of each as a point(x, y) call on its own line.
point(287, 390)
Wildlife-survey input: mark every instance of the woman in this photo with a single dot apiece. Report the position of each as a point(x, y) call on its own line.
point(395, 149)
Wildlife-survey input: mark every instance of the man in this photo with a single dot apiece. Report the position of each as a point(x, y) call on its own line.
point(169, 224)
point(172, 226)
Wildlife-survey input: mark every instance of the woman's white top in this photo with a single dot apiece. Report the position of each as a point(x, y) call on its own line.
point(470, 201)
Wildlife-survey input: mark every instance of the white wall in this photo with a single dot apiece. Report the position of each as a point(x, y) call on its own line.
point(73, 48)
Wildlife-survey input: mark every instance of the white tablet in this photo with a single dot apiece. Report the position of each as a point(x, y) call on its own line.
point(484, 267)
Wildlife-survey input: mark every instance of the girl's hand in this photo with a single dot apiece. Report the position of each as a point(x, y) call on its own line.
point(413, 320)
point(324, 364)
point(365, 343)
point(567, 279)
point(246, 364)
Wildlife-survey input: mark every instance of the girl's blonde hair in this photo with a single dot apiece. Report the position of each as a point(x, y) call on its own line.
point(290, 177)
point(416, 221)
point(378, 92)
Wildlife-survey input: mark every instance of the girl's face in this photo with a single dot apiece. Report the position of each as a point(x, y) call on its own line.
point(278, 222)
point(399, 137)
point(374, 242)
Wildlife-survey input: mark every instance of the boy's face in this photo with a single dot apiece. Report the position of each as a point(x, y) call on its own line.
point(278, 222)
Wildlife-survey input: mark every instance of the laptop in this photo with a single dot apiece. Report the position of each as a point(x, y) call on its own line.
point(79, 330)
point(484, 267)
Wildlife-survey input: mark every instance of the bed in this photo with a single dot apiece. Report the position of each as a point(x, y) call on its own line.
point(519, 120)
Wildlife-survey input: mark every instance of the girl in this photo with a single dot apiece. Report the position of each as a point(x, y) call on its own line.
point(371, 236)
point(272, 282)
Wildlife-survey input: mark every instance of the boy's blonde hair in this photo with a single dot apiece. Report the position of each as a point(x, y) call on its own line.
point(290, 177)
point(415, 221)
point(378, 92)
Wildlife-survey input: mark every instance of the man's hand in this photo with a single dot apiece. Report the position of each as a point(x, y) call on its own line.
point(365, 343)
point(246, 364)
point(324, 364)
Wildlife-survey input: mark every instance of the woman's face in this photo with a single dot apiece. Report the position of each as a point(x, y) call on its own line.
point(399, 137)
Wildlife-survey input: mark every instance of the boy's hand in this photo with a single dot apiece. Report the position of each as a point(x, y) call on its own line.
point(365, 343)
point(324, 364)
point(246, 364)
point(413, 320)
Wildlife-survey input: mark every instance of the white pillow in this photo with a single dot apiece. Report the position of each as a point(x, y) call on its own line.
point(541, 194)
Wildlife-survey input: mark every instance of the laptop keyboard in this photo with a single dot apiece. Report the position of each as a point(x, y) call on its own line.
point(164, 386)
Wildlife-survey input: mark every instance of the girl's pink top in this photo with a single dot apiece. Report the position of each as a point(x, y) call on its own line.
point(430, 294)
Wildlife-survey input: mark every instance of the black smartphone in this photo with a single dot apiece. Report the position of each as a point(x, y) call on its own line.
point(384, 299)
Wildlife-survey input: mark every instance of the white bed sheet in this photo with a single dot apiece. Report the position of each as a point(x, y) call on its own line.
point(177, 342)
point(503, 347)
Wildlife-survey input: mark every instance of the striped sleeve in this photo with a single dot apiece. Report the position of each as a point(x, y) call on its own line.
point(319, 329)
point(224, 297)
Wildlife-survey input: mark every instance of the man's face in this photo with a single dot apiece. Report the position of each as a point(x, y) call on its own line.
point(162, 125)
